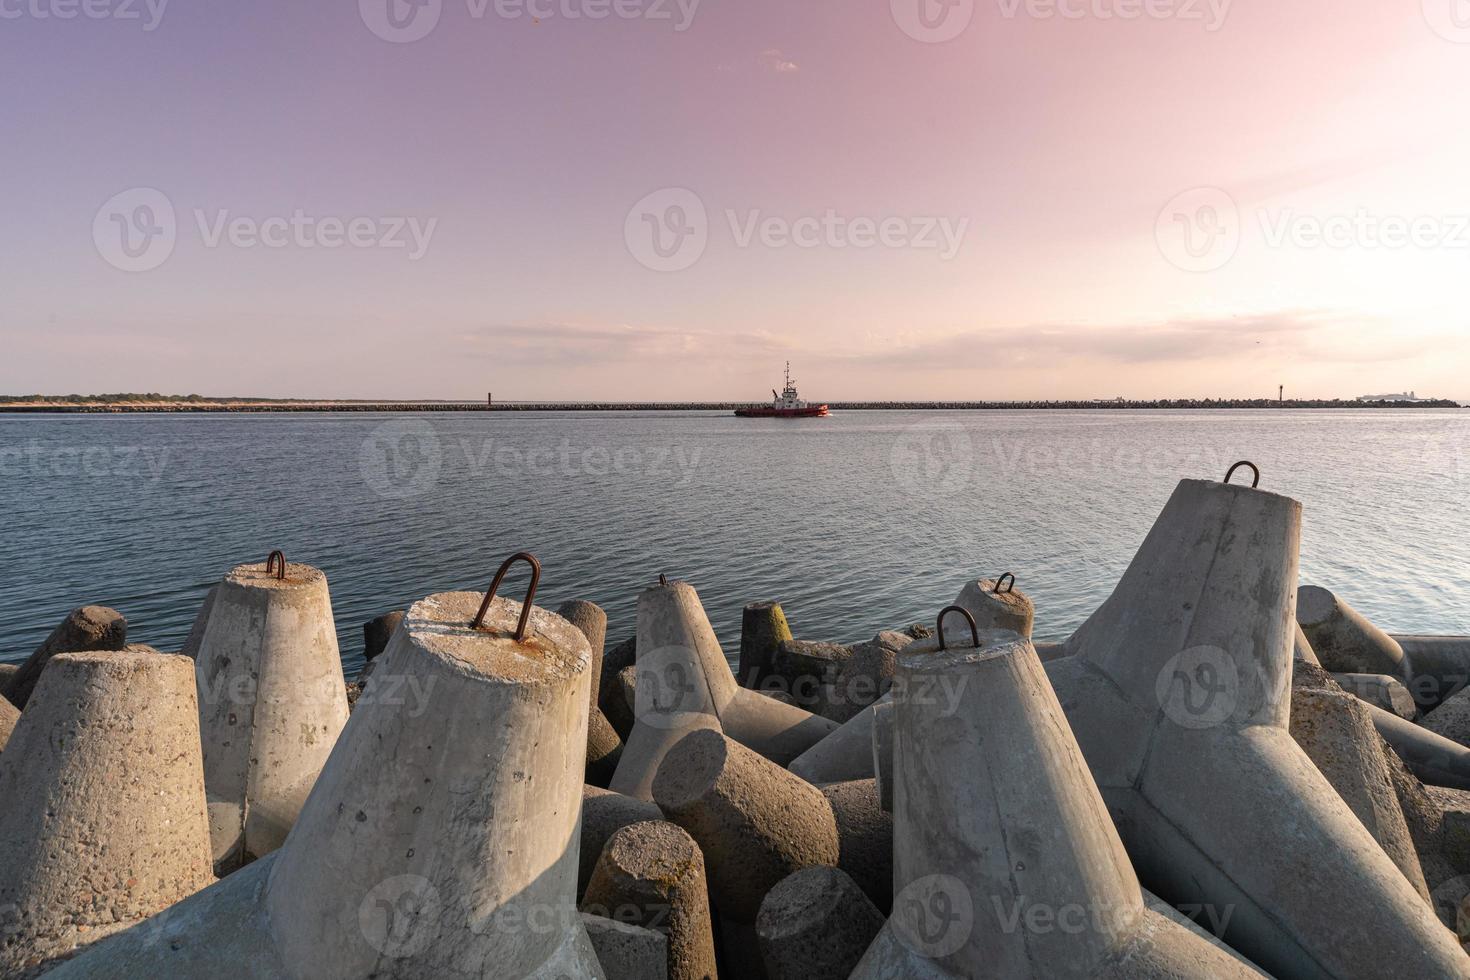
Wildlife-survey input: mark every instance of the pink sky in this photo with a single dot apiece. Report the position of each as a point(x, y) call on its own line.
point(1066, 159)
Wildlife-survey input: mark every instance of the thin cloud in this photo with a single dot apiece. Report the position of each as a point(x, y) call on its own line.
point(773, 60)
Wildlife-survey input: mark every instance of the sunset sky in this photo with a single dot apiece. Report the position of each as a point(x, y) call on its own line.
point(1146, 198)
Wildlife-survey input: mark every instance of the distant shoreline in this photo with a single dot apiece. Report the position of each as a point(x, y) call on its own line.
point(244, 406)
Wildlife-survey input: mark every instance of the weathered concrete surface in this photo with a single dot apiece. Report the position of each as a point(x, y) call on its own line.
point(1302, 648)
point(87, 628)
point(604, 813)
point(997, 821)
point(590, 618)
point(815, 925)
point(844, 755)
point(615, 659)
point(763, 628)
point(1451, 719)
point(9, 715)
point(1010, 609)
point(652, 874)
point(1177, 690)
point(883, 753)
point(434, 841)
point(272, 701)
point(201, 619)
point(755, 822)
point(626, 951)
point(7, 671)
point(1336, 732)
point(685, 684)
point(1343, 639)
point(378, 631)
point(1432, 758)
point(619, 700)
point(864, 838)
point(807, 671)
point(1381, 691)
point(1439, 666)
point(867, 675)
point(604, 749)
point(103, 822)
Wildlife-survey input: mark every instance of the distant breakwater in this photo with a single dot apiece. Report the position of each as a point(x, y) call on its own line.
point(549, 406)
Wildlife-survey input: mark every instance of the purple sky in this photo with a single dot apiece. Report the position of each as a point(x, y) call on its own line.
point(1147, 198)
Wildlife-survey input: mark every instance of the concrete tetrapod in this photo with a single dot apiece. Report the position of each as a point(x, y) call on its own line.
point(1177, 690)
point(272, 701)
point(87, 628)
point(103, 823)
point(9, 715)
point(999, 826)
point(815, 925)
point(626, 951)
point(604, 813)
point(755, 822)
point(995, 604)
point(685, 683)
point(651, 874)
point(1343, 638)
point(763, 628)
point(847, 753)
point(1439, 665)
point(436, 844)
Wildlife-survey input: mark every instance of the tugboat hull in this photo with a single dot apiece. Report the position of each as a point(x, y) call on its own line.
point(767, 412)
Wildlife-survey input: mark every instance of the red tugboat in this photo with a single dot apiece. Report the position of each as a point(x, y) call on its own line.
point(786, 405)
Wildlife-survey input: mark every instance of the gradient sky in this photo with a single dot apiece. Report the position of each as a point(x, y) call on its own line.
point(1072, 151)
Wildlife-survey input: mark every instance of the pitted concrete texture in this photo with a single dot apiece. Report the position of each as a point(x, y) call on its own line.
point(1336, 731)
point(1432, 758)
point(1451, 719)
point(1381, 691)
point(846, 754)
point(864, 838)
point(604, 813)
point(1177, 691)
point(592, 621)
point(763, 628)
point(755, 822)
point(103, 822)
point(685, 684)
point(1302, 648)
point(619, 699)
point(1439, 666)
point(84, 629)
point(272, 702)
point(8, 717)
point(615, 659)
point(628, 952)
point(1343, 639)
point(815, 925)
point(866, 675)
point(651, 874)
point(437, 843)
point(805, 672)
point(1010, 609)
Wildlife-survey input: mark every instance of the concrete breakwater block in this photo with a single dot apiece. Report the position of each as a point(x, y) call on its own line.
point(995, 604)
point(377, 632)
point(604, 744)
point(1381, 691)
point(1432, 758)
point(1343, 639)
point(847, 753)
point(272, 702)
point(1006, 863)
point(763, 628)
point(1336, 732)
point(604, 813)
point(864, 838)
point(1177, 690)
point(103, 822)
point(84, 629)
point(755, 822)
point(651, 874)
point(815, 925)
point(439, 843)
point(806, 672)
point(626, 951)
point(684, 683)
point(9, 715)
point(1451, 719)
point(883, 753)
point(866, 675)
point(1439, 666)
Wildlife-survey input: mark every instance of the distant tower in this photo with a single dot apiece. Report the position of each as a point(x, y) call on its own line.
point(1280, 393)
point(490, 399)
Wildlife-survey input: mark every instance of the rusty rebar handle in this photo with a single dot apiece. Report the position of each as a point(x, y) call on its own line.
point(270, 564)
point(974, 630)
point(529, 559)
point(1001, 581)
point(1256, 470)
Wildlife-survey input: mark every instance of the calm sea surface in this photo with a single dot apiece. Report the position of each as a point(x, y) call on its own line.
point(859, 522)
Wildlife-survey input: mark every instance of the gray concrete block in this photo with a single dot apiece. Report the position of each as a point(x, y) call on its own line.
point(627, 952)
point(815, 925)
point(87, 628)
point(604, 813)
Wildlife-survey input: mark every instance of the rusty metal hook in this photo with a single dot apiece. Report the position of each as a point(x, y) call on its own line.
point(1001, 581)
point(270, 563)
point(1254, 469)
point(529, 559)
point(939, 625)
